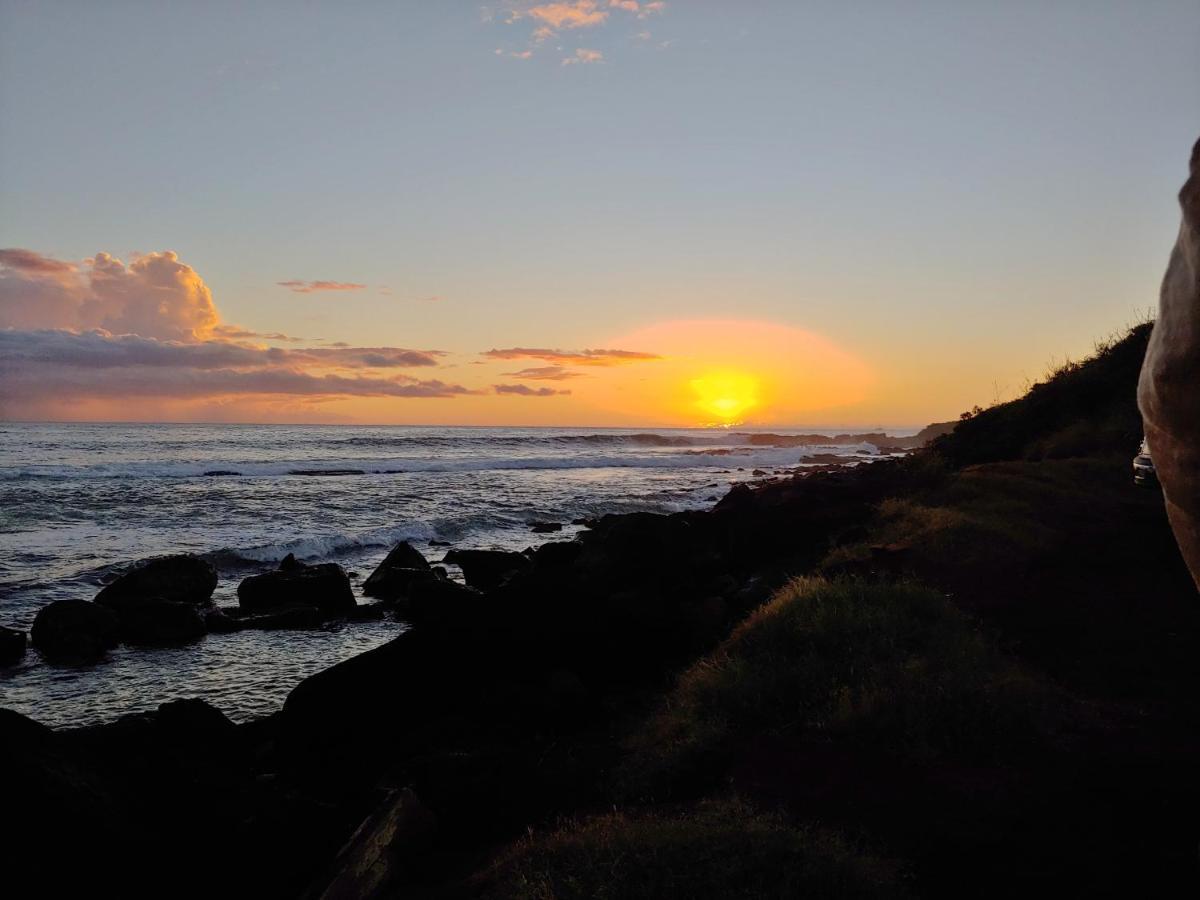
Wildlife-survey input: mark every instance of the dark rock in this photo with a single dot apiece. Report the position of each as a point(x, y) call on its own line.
point(445, 604)
point(193, 719)
point(155, 622)
point(399, 569)
point(173, 579)
point(324, 586)
point(290, 564)
point(368, 612)
point(487, 569)
point(557, 554)
point(545, 527)
point(12, 646)
point(436, 543)
point(75, 630)
point(215, 472)
point(217, 621)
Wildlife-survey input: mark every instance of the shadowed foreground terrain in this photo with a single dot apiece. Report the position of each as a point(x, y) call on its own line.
point(970, 672)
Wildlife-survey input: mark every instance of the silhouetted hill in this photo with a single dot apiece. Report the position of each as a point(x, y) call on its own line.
point(1084, 409)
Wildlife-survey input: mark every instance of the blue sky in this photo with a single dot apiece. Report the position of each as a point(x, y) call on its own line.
point(954, 192)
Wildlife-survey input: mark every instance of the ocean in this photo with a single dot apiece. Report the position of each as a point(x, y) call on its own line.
point(79, 503)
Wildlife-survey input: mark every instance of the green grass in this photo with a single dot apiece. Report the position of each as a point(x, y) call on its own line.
point(894, 668)
point(718, 849)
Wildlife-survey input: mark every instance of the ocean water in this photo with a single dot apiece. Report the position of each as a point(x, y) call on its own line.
point(79, 503)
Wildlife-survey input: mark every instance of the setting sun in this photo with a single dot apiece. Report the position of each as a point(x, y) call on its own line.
point(727, 396)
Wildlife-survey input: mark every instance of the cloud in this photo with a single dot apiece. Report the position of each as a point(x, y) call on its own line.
point(551, 18)
point(155, 295)
point(100, 331)
point(237, 333)
point(52, 364)
point(545, 373)
point(311, 287)
point(574, 357)
point(583, 56)
point(29, 261)
point(524, 390)
point(576, 14)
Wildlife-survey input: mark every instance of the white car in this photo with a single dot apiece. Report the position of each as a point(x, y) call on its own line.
point(1143, 467)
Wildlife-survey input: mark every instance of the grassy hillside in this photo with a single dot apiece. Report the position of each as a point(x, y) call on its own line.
point(989, 680)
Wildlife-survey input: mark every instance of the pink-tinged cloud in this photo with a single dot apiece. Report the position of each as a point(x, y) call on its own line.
point(237, 333)
point(155, 295)
point(627, 5)
point(98, 331)
point(576, 14)
point(583, 56)
point(312, 287)
point(648, 9)
point(29, 261)
point(573, 357)
point(545, 373)
point(52, 366)
point(524, 390)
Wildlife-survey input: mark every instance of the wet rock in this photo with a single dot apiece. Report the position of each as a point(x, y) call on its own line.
point(12, 646)
point(487, 569)
point(545, 527)
point(324, 586)
point(75, 630)
point(399, 570)
point(154, 621)
point(173, 579)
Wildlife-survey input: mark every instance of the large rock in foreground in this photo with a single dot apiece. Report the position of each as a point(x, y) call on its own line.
point(75, 630)
point(294, 584)
point(175, 579)
point(394, 577)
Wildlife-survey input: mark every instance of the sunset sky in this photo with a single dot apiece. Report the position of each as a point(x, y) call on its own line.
point(595, 212)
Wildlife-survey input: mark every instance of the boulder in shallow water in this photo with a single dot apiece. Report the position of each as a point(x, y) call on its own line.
point(154, 621)
point(487, 569)
point(75, 630)
point(12, 646)
point(173, 579)
point(325, 586)
point(403, 566)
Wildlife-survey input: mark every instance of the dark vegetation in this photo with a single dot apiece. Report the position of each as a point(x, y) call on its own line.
point(970, 672)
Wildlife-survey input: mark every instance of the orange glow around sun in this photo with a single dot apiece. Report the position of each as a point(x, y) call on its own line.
point(729, 372)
